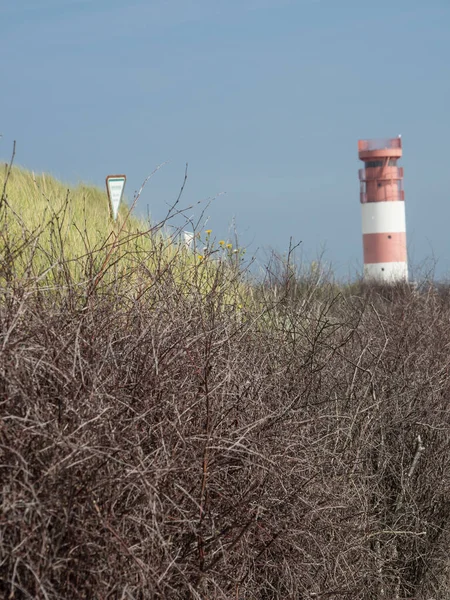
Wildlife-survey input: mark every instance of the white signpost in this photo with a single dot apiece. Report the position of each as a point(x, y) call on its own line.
point(115, 185)
point(188, 239)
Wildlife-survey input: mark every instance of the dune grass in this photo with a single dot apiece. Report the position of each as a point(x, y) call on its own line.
point(58, 235)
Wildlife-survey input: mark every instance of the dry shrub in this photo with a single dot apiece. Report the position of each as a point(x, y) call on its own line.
point(163, 444)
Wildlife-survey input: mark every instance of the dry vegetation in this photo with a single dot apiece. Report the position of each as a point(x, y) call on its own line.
point(159, 440)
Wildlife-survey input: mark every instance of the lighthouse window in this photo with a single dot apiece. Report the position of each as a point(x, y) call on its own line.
point(389, 237)
point(372, 164)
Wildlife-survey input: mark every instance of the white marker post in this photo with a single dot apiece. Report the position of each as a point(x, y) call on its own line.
point(188, 237)
point(115, 185)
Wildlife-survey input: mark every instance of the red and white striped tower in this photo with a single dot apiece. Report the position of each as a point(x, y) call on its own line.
point(383, 211)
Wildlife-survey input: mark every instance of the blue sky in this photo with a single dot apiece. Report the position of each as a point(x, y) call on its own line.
point(265, 99)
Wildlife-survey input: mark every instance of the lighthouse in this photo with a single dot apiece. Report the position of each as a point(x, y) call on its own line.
point(383, 211)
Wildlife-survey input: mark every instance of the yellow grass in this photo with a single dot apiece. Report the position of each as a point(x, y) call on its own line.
point(58, 227)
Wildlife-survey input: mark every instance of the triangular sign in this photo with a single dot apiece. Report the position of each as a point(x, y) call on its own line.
point(115, 185)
